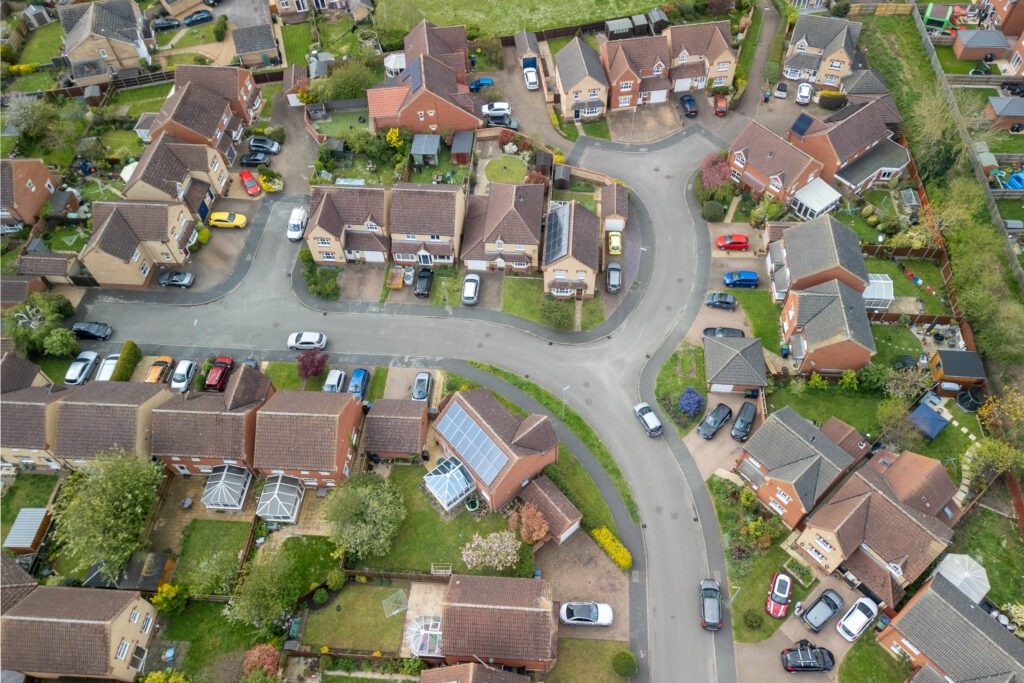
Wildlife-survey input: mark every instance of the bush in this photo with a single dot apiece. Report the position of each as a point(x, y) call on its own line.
point(872, 220)
point(336, 579)
point(131, 354)
point(817, 383)
point(276, 134)
point(263, 658)
point(832, 101)
point(868, 210)
point(691, 402)
point(624, 664)
point(713, 212)
point(320, 596)
point(170, 599)
point(556, 313)
point(220, 29)
point(60, 343)
point(204, 235)
point(753, 619)
point(840, 9)
point(613, 547)
point(771, 71)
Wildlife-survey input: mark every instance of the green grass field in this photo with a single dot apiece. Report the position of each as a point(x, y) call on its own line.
point(40, 80)
point(854, 408)
point(892, 341)
point(497, 18)
point(929, 273)
point(506, 170)
point(354, 619)
point(140, 100)
point(204, 537)
point(586, 660)
point(29, 490)
point(341, 122)
point(311, 560)
point(868, 662)
point(952, 65)
point(286, 376)
point(42, 45)
point(125, 143)
point(197, 35)
point(597, 129)
point(211, 637)
point(763, 314)
point(296, 42)
point(995, 542)
point(579, 487)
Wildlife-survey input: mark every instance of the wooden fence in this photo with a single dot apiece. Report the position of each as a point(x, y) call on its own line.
point(987, 81)
point(882, 9)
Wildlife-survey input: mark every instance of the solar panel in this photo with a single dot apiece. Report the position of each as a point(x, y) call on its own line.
point(477, 450)
point(802, 123)
point(556, 241)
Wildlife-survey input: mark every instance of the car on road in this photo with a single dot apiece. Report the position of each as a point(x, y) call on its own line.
point(200, 17)
point(744, 421)
point(720, 332)
point(258, 143)
point(710, 605)
point(720, 300)
point(176, 278)
point(217, 377)
point(648, 418)
point(165, 24)
point(822, 610)
point(904, 363)
point(496, 109)
point(614, 242)
point(779, 593)
point(741, 278)
point(586, 614)
point(721, 105)
point(689, 105)
point(471, 290)
point(613, 277)
point(297, 224)
point(805, 656)
point(160, 370)
point(254, 159)
point(804, 93)
point(502, 122)
point(303, 341)
point(183, 375)
point(714, 420)
point(92, 330)
point(227, 219)
point(421, 386)
point(857, 619)
point(781, 90)
point(252, 188)
point(81, 367)
point(335, 382)
point(359, 383)
point(733, 242)
point(480, 83)
point(423, 281)
point(106, 367)
point(530, 78)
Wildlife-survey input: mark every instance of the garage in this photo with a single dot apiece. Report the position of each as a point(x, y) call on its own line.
point(476, 265)
point(684, 84)
point(659, 96)
point(374, 256)
point(722, 388)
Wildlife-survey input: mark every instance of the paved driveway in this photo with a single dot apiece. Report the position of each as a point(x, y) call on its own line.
point(528, 106)
point(242, 13)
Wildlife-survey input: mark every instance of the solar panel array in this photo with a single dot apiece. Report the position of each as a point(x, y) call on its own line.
point(474, 447)
point(556, 240)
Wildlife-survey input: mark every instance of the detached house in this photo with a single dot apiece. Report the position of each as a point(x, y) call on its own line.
point(813, 253)
point(822, 50)
point(702, 56)
point(580, 80)
point(572, 251)
point(826, 328)
point(131, 239)
point(448, 44)
point(233, 84)
point(503, 228)
point(885, 524)
point(637, 70)
point(348, 224)
point(194, 114)
point(26, 185)
point(426, 222)
point(103, 38)
point(174, 171)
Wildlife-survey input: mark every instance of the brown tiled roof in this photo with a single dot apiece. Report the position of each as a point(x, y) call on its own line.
point(101, 416)
point(55, 263)
point(167, 162)
point(15, 582)
point(916, 480)
point(333, 207)
point(614, 201)
point(223, 81)
point(586, 236)
point(446, 43)
point(245, 387)
point(386, 98)
point(16, 373)
point(770, 154)
point(636, 54)
point(423, 209)
point(393, 426)
point(710, 39)
point(366, 240)
point(688, 70)
point(437, 78)
point(23, 421)
point(17, 168)
point(6, 345)
point(858, 131)
point(293, 75)
point(197, 190)
point(119, 227)
point(510, 213)
point(846, 437)
point(876, 577)
point(471, 673)
point(299, 430)
point(14, 288)
point(504, 618)
point(655, 83)
point(195, 108)
point(558, 511)
point(63, 630)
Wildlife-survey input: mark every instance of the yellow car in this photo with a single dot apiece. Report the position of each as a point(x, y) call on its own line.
point(160, 370)
point(224, 219)
point(614, 242)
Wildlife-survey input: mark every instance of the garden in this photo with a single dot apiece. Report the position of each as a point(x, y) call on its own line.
point(137, 101)
point(763, 314)
point(354, 618)
point(210, 555)
point(524, 297)
point(902, 285)
point(587, 660)
point(869, 662)
point(297, 39)
point(216, 645)
point(684, 368)
point(29, 490)
point(995, 542)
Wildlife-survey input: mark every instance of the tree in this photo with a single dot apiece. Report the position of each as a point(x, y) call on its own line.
point(500, 550)
point(213, 575)
point(714, 170)
point(529, 521)
point(347, 82)
point(906, 384)
point(102, 519)
point(31, 117)
point(170, 599)
point(557, 314)
point(166, 676)
point(987, 458)
point(220, 29)
point(714, 212)
point(365, 514)
point(872, 377)
point(535, 178)
point(1004, 414)
point(29, 323)
point(624, 664)
point(894, 420)
point(263, 658)
point(264, 596)
point(60, 342)
point(312, 362)
point(691, 402)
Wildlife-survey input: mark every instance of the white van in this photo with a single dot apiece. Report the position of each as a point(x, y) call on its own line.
point(297, 224)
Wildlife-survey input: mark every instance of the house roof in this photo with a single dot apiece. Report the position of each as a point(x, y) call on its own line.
point(927, 674)
point(335, 206)
point(448, 44)
point(916, 480)
point(55, 263)
point(710, 39)
point(386, 98)
point(23, 421)
point(960, 637)
point(100, 416)
point(471, 673)
point(254, 39)
point(15, 582)
point(833, 312)
point(961, 364)
point(224, 81)
point(855, 127)
point(167, 162)
point(299, 430)
point(634, 55)
point(846, 437)
point(63, 630)
point(772, 156)
point(865, 82)
point(572, 230)
point(614, 201)
point(887, 155)
point(118, 20)
point(526, 43)
point(794, 450)
point(820, 244)
point(16, 373)
point(15, 288)
point(423, 209)
point(576, 61)
point(828, 34)
point(195, 108)
point(734, 360)
point(501, 618)
point(17, 168)
point(1007, 106)
point(394, 426)
point(558, 510)
point(119, 227)
point(510, 213)
point(981, 38)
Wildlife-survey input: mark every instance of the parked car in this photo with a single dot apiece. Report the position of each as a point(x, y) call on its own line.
point(614, 242)
point(183, 375)
point(217, 377)
point(496, 109)
point(586, 614)
point(689, 105)
point(804, 93)
point(421, 386)
point(741, 278)
point(779, 592)
point(200, 17)
point(408, 275)
point(480, 83)
point(226, 219)
point(252, 188)
point(303, 341)
point(92, 330)
point(710, 605)
point(471, 290)
point(423, 281)
point(251, 363)
point(721, 105)
point(165, 24)
point(613, 277)
point(254, 159)
point(160, 370)
point(531, 79)
point(744, 421)
point(106, 368)
point(211, 3)
point(857, 619)
point(258, 143)
point(176, 278)
point(714, 421)
point(720, 332)
point(297, 224)
point(335, 382)
point(648, 418)
point(359, 383)
point(805, 656)
point(502, 122)
point(81, 367)
point(822, 610)
point(781, 90)
point(720, 300)
point(733, 242)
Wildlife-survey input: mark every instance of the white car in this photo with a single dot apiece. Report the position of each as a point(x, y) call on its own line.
point(804, 93)
point(857, 620)
point(648, 418)
point(183, 375)
point(497, 109)
point(106, 370)
point(335, 381)
point(421, 386)
point(302, 341)
point(530, 76)
point(80, 368)
point(586, 614)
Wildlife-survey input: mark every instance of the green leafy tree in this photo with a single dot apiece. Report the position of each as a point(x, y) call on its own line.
point(906, 384)
point(29, 323)
point(60, 342)
point(894, 420)
point(989, 457)
point(101, 519)
point(344, 83)
point(31, 117)
point(264, 594)
point(624, 664)
point(365, 514)
point(848, 381)
point(170, 599)
point(213, 575)
point(872, 377)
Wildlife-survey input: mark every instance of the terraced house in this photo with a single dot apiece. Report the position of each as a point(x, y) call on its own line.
point(104, 38)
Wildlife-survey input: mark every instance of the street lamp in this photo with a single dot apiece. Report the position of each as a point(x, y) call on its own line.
point(564, 389)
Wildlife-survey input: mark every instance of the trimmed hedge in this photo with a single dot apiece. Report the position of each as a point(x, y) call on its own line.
point(131, 354)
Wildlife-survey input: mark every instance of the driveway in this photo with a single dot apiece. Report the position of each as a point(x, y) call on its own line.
point(242, 13)
point(528, 106)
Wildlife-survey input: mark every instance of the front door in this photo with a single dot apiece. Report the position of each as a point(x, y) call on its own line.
point(576, 115)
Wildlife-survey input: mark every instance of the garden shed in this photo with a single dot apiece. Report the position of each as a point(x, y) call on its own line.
point(226, 488)
point(27, 533)
point(879, 293)
point(909, 202)
point(527, 49)
point(281, 499)
point(462, 147)
point(426, 149)
point(543, 163)
point(617, 29)
point(658, 20)
point(563, 177)
point(640, 25)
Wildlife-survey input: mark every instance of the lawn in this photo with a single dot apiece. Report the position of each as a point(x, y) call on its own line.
point(972, 101)
point(685, 367)
point(1011, 209)
point(337, 38)
point(893, 341)
point(950, 445)
point(140, 100)
point(205, 537)
point(523, 297)
point(7, 145)
point(577, 484)
point(378, 380)
point(286, 376)
point(854, 408)
point(445, 166)
point(568, 128)
point(354, 619)
point(197, 35)
point(164, 38)
point(341, 122)
point(42, 45)
point(1002, 142)
point(869, 662)
point(67, 238)
point(506, 169)
point(40, 80)
point(28, 491)
point(123, 143)
point(597, 129)
point(902, 285)
point(763, 314)
point(555, 45)
point(54, 368)
point(9, 261)
point(504, 19)
point(185, 58)
point(950, 64)
point(211, 637)
point(587, 660)
point(743, 209)
point(587, 199)
point(296, 42)
point(851, 218)
point(994, 541)
point(311, 560)
point(593, 313)
point(446, 288)
point(96, 190)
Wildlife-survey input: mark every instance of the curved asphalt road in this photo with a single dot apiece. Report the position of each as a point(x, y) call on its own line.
point(607, 370)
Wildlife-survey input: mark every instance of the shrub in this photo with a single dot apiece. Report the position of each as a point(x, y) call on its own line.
point(868, 210)
point(60, 342)
point(220, 29)
point(610, 544)
point(263, 658)
point(798, 385)
point(872, 377)
point(204, 235)
point(170, 599)
point(739, 551)
point(320, 596)
point(848, 381)
point(832, 101)
point(691, 402)
point(624, 664)
point(131, 354)
point(840, 9)
point(873, 220)
point(276, 134)
point(771, 71)
point(713, 212)
point(753, 619)
point(557, 314)
point(748, 499)
point(336, 579)
point(817, 382)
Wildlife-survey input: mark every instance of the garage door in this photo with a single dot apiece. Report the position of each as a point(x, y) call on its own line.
point(721, 388)
point(476, 265)
point(659, 96)
point(374, 256)
point(683, 84)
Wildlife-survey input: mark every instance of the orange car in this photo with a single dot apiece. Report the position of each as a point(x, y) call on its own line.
point(160, 370)
point(721, 105)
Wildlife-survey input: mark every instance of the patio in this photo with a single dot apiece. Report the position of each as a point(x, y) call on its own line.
point(172, 517)
point(425, 600)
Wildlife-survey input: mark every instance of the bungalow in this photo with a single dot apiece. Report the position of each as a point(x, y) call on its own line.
point(503, 228)
point(581, 81)
point(734, 364)
point(348, 224)
point(572, 251)
point(813, 253)
point(822, 50)
point(826, 328)
point(174, 171)
point(26, 185)
point(425, 222)
point(395, 428)
point(763, 163)
point(104, 38)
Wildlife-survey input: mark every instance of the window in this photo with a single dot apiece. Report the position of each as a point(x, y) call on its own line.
point(370, 225)
point(625, 86)
point(561, 291)
point(227, 117)
point(658, 68)
point(801, 46)
point(103, 53)
point(592, 111)
point(135, 256)
point(581, 275)
point(420, 114)
point(1016, 62)
point(146, 623)
point(831, 80)
point(205, 469)
point(144, 268)
point(592, 94)
point(723, 66)
point(323, 242)
point(300, 6)
point(719, 81)
point(405, 257)
point(740, 159)
point(138, 658)
point(835, 65)
point(324, 474)
point(122, 649)
point(285, 4)
point(181, 218)
point(309, 482)
point(30, 185)
point(560, 273)
point(783, 496)
point(735, 175)
point(776, 185)
point(520, 247)
point(410, 236)
point(134, 617)
point(816, 555)
point(823, 544)
point(435, 238)
point(49, 186)
point(215, 165)
point(886, 175)
point(775, 506)
point(576, 94)
point(328, 256)
point(624, 100)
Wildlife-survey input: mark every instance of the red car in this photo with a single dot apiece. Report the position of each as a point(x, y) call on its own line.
point(721, 105)
point(778, 595)
point(252, 188)
point(733, 242)
point(217, 378)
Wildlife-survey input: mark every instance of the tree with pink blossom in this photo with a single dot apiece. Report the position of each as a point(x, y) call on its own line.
point(499, 550)
point(714, 171)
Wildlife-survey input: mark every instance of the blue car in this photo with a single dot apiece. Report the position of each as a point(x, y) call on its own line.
point(480, 83)
point(200, 17)
point(358, 384)
point(741, 278)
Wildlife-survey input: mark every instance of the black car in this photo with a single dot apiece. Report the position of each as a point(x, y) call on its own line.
point(505, 121)
point(720, 300)
point(200, 17)
point(821, 611)
point(744, 421)
point(254, 159)
point(689, 105)
point(164, 24)
point(92, 330)
point(714, 421)
point(423, 281)
point(722, 332)
point(805, 656)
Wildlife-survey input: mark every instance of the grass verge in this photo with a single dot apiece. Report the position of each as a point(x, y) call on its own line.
point(597, 129)
point(576, 483)
point(587, 660)
point(286, 376)
point(763, 314)
point(685, 367)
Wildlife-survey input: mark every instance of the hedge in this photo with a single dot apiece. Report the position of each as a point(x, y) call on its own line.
point(131, 354)
point(619, 553)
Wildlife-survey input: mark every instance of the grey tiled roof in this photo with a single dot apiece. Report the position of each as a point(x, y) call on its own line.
point(577, 60)
point(734, 360)
point(820, 244)
point(827, 33)
point(1007, 106)
point(252, 39)
point(526, 42)
point(989, 39)
point(118, 20)
point(832, 312)
point(865, 82)
point(887, 154)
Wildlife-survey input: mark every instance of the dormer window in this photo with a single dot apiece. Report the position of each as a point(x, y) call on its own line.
point(370, 225)
point(740, 159)
point(801, 46)
point(776, 184)
point(658, 68)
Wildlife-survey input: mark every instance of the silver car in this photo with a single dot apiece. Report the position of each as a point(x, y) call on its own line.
point(471, 290)
point(106, 370)
point(183, 375)
point(335, 381)
point(421, 387)
point(302, 341)
point(80, 368)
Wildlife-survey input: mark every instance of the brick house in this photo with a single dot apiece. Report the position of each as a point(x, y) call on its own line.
point(734, 365)
point(471, 673)
point(174, 171)
point(763, 163)
point(503, 228)
point(813, 253)
point(448, 44)
point(826, 328)
point(103, 38)
point(191, 113)
point(581, 81)
point(885, 525)
point(702, 56)
point(395, 428)
point(976, 44)
point(1003, 16)
point(131, 240)
point(348, 224)
point(14, 289)
point(822, 50)
point(236, 85)
point(791, 465)
point(1004, 112)
point(426, 97)
point(26, 185)
point(1015, 59)
point(193, 433)
point(310, 436)
point(425, 222)
point(572, 251)
point(28, 425)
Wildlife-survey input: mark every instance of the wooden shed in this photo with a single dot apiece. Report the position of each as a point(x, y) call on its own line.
point(462, 147)
point(961, 367)
point(29, 528)
point(543, 162)
point(658, 20)
point(617, 29)
point(563, 177)
point(641, 27)
point(426, 149)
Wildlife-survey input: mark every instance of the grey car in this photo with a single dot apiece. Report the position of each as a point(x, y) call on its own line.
point(744, 421)
point(80, 368)
point(176, 278)
point(710, 605)
point(714, 421)
point(421, 387)
point(720, 300)
point(613, 278)
point(722, 332)
point(821, 611)
point(266, 145)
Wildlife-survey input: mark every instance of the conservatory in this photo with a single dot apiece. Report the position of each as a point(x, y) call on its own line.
point(878, 296)
point(281, 499)
point(226, 488)
point(424, 636)
point(449, 482)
